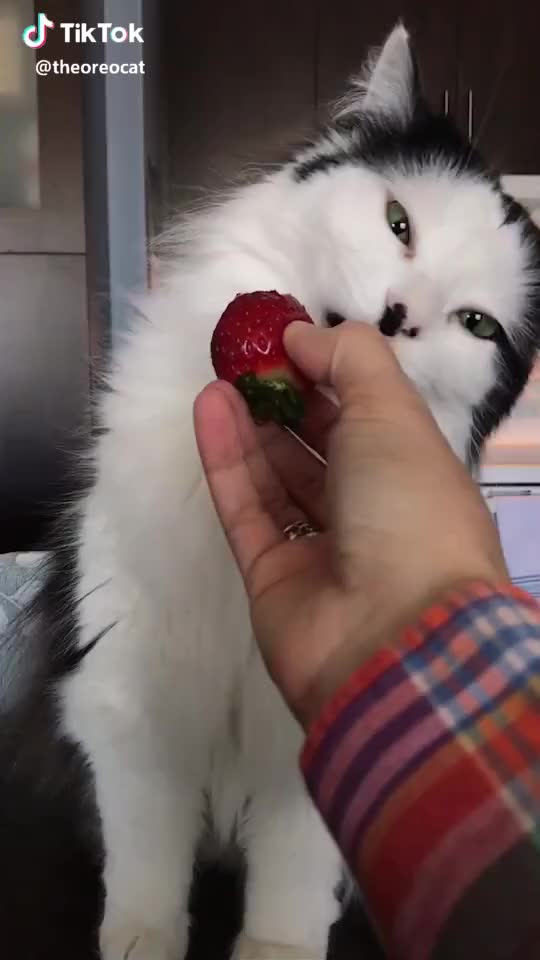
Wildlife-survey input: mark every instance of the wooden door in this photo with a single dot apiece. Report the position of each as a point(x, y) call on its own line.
point(499, 81)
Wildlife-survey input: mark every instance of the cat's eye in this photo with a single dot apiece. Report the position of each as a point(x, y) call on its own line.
point(481, 325)
point(398, 221)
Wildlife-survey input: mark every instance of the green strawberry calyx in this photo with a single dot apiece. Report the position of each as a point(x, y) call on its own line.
point(273, 398)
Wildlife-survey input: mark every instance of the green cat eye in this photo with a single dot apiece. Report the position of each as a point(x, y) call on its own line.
point(398, 221)
point(481, 325)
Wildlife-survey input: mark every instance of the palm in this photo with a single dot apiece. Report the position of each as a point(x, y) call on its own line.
point(262, 481)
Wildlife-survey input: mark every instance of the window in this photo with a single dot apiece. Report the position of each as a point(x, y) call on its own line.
point(19, 150)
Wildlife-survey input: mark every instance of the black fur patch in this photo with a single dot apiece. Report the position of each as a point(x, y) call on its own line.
point(514, 361)
point(377, 143)
point(50, 848)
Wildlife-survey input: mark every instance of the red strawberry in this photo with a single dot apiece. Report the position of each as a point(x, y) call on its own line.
point(247, 350)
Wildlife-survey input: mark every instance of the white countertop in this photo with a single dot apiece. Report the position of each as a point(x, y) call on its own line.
point(526, 189)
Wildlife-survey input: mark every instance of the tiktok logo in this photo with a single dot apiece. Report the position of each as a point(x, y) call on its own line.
point(36, 36)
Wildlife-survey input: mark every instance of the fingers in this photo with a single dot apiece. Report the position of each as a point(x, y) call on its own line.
point(251, 501)
point(321, 414)
point(353, 358)
point(274, 495)
point(301, 473)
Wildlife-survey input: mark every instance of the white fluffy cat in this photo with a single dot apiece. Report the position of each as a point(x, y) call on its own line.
point(172, 705)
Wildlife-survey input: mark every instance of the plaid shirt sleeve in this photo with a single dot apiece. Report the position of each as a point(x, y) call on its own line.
point(426, 769)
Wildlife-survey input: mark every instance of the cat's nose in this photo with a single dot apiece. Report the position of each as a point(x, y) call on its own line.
point(393, 319)
point(334, 319)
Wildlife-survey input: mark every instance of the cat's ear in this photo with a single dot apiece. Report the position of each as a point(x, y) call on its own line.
point(388, 84)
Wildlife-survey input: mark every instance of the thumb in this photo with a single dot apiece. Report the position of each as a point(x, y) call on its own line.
point(353, 358)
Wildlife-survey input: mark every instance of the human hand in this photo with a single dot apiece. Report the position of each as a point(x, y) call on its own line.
point(401, 521)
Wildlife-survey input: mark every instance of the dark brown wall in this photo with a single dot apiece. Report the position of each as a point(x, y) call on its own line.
point(245, 79)
point(241, 82)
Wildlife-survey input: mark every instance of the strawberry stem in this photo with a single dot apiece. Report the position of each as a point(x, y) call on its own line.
point(273, 399)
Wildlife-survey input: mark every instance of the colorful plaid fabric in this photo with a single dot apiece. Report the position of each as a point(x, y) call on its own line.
point(426, 768)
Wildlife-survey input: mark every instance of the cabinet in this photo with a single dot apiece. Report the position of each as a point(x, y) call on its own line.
point(479, 60)
point(240, 89)
point(251, 78)
point(499, 81)
point(348, 30)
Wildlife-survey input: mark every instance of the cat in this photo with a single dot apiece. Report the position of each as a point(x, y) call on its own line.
point(389, 217)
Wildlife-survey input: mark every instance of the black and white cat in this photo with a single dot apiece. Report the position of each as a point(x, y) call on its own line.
point(389, 217)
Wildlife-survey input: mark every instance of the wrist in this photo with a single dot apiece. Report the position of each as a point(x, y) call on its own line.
point(365, 639)
point(342, 664)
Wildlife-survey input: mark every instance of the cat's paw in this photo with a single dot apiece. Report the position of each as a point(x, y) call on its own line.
point(248, 949)
point(130, 943)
